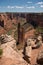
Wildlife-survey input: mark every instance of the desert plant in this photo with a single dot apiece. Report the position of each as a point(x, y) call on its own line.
point(1, 52)
point(39, 29)
point(9, 32)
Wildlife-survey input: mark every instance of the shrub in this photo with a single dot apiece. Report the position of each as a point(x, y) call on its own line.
point(9, 32)
point(1, 52)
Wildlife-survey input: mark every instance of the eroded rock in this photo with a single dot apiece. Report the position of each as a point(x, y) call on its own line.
point(11, 54)
point(40, 58)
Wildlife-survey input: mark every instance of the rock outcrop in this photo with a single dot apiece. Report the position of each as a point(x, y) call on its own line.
point(8, 52)
point(40, 58)
point(11, 54)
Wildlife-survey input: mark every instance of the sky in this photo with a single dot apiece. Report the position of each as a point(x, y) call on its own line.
point(21, 5)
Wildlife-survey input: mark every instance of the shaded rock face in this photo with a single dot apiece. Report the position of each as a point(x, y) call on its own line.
point(40, 58)
point(2, 23)
point(34, 23)
point(27, 51)
point(5, 38)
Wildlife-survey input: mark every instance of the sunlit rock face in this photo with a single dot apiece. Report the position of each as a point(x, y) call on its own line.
point(10, 52)
point(8, 40)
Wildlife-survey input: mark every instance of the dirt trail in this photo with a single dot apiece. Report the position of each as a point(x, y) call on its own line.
point(35, 54)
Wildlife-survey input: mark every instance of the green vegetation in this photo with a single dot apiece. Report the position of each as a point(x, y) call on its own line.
point(39, 29)
point(9, 32)
point(1, 52)
point(16, 35)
